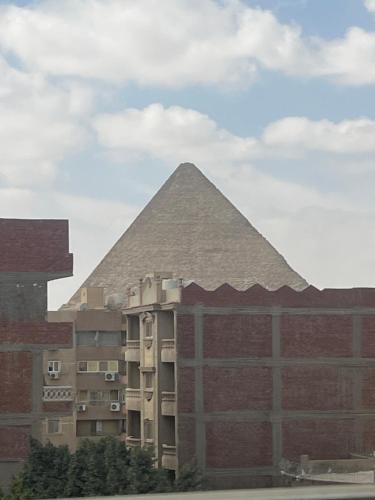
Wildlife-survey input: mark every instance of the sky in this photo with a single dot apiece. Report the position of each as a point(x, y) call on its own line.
point(274, 100)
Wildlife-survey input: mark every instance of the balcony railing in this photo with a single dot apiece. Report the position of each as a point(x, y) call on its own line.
point(133, 441)
point(169, 459)
point(133, 399)
point(58, 393)
point(132, 352)
point(168, 350)
point(168, 403)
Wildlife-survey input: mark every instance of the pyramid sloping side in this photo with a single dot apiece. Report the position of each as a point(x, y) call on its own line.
point(191, 229)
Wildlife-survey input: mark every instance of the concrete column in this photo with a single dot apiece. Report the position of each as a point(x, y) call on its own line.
point(276, 391)
point(200, 430)
point(357, 372)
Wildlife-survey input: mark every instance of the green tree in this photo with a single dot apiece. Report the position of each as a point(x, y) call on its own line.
point(189, 479)
point(44, 474)
point(105, 467)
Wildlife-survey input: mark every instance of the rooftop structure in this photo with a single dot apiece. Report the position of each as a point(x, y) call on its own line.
point(190, 228)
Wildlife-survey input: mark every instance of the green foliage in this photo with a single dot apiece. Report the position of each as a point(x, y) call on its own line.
point(104, 467)
point(189, 478)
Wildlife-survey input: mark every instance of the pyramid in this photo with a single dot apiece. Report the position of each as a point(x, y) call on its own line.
point(192, 230)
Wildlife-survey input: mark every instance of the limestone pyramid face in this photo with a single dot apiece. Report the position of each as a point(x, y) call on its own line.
point(192, 230)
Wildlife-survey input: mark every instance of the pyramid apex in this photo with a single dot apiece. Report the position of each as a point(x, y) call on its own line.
point(187, 168)
point(187, 165)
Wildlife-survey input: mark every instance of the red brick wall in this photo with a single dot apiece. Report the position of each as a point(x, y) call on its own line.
point(320, 438)
point(368, 336)
point(16, 381)
point(185, 336)
point(14, 442)
point(42, 333)
point(186, 390)
point(369, 436)
point(186, 436)
point(368, 388)
point(317, 388)
point(238, 444)
point(34, 246)
point(309, 384)
point(315, 336)
point(234, 389)
point(237, 336)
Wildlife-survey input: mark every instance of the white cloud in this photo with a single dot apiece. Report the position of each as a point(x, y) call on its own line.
point(176, 133)
point(348, 136)
point(171, 134)
point(39, 124)
point(349, 60)
point(370, 5)
point(176, 42)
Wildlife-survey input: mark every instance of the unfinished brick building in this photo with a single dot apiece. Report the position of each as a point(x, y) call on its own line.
point(32, 252)
point(241, 379)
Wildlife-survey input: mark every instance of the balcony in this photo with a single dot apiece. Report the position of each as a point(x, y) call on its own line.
point(58, 393)
point(133, 399)
point(169, 459)
point(168, 403)
point(168, 351)
point(133, 442)
point(132, 352)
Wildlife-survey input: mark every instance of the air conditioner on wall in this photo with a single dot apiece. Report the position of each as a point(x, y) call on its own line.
point(54, 375)
point(81, 408)
point(110, 376)
point(115, 406)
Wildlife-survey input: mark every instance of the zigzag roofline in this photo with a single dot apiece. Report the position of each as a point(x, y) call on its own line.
point(257, 295)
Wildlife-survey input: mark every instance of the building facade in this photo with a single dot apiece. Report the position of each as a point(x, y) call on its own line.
point(32, 252)
point(91, 375)
point(239, 380)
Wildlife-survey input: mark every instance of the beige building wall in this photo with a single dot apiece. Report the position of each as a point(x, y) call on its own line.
point(92, 375)
point(151, 357)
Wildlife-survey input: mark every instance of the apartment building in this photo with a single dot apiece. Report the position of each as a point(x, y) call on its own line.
point(151, 360)
point(32, 252)
point(92, 375)
point(239, 380)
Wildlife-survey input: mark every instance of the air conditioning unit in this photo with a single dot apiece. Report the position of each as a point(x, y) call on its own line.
point(54, 375)
point(115, 406)
point(110, 376)
point(81, 408)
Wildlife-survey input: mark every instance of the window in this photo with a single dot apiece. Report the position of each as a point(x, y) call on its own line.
point(54, 366)
point(82, 366)
point(86, 338)
point(92, 366)
point(103, 366)
point(99, 396)
point(109, 339)
point(97, 366)
point(114, 395)
point(53, 426)
point(113, 366)
point(83, 396)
